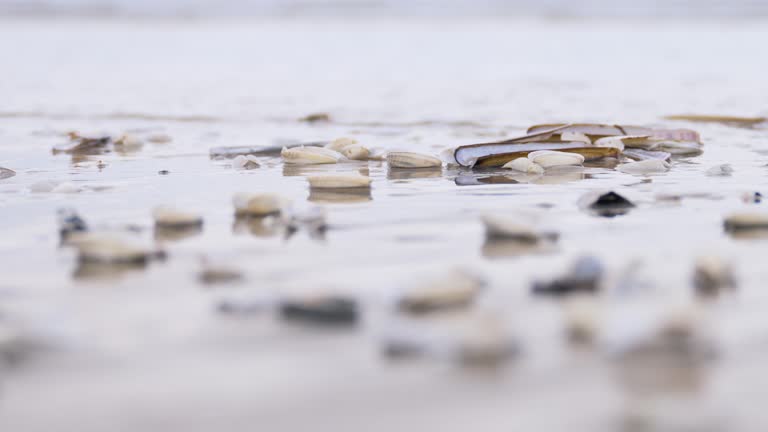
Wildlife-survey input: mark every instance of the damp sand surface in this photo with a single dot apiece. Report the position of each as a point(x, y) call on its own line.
point(144, 349)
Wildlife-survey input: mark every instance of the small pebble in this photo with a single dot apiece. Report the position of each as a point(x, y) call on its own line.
point(327, 310)
point(584, 276)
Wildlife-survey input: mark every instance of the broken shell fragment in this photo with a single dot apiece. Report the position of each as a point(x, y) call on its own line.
point(457, 289)
point(549, 158)
point(339, 181)
point(712, 275)
point(356, 152)
point(168, 217)
point(245, 162)
point(159, 138)
point(321, 309)
point(649, 166)
point(340, 143)
point(82, 145)
point(111, 248)
point(746, 221)
point(6, 173)
point(412, 160)
point(723, 170)
point(261, 204)
point(524, 165)
point(511, 228)
point(310, 155)
point(584, 277)
point(607, 204)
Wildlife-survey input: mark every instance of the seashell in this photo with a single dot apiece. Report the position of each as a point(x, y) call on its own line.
point(584, 277)
point(245, 162)
point(129, 142)
point(66, 188)
point(310, 217)
point(412, 160)
point(457, 289)
point(739, 121)
point(524, 165)
point(159, 138)
point(649, 166)
point(217, 274)
point(227, 152)
point(606, 204)
point(340, 143)
point(310, 155)
point(484, 342)
point(167, 217)
point(339, 181)
point(321, 309)
point(723, 170)
point(681, 148)
point(582, 319)
point(550, 158)
point(511, 228)
point(575, 136)
point(356, 152)
point(82, 145)
point(110, 248)
point(711, 275)
point(640, 154)
point(6, 173)
point(746, 221)
point(261, 204)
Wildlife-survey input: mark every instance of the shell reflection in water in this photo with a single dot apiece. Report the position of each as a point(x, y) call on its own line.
point(352, 195)
point(394, 173)
point(258, 226)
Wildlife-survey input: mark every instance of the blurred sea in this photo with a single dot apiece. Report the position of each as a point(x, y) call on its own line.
point(404, 8)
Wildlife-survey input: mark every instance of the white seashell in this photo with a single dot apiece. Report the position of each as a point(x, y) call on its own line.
point(648, 166)
point(412, 160)
point(167, 217)
point(485, 342)
point(340, 143)
point(339, 181)
point(261, 204)
point(310, 155)
point(245, 162)
point(110, 248)
point(551, 158)
point(750, 220)
point(159, 138)
point(524, 165)
point(513, 228)
point(449, 156)
point(712, 274)
point(582, 318)
point(720, 170)
point(355, 152)
point(575, 136)
point(679, 147)
point(129, 142)
point(67, 188)
point(456, 289)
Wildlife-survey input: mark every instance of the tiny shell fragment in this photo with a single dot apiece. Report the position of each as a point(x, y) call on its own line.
point(339, 181)
point(310, 155)
point(245, 162)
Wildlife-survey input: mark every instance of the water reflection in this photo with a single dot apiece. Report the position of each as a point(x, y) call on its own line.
point(258, 226)
point(352, 195)
point(177, 234)
point(507, 248)
point(100, 271)
point(414, 173)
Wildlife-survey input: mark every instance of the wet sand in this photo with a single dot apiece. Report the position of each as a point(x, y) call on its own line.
point(144, 349)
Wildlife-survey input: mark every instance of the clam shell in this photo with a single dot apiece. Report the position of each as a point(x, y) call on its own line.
point(746, 220)
point(741, 121)
point(168, 217)
point(649, 166)
point(412, 160)
point(339, 181)
point(513, 228)
point(129, 142)
point(245, 162)
point(524, 165)
point(591, 153)
point(549, 158)
point(712, 274)
point(356, 152)
point(340, 143)
point(261, 204)
point(310, 155)
point(457, 289)
point(159, 138)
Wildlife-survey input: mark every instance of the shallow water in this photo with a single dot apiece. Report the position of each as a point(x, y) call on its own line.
point(144, 348)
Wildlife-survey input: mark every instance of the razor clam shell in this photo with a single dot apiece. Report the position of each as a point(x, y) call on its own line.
point(593, 130)
point(640, 154)
point(472, 154)
point(589, 153)
point(168, 217)
point(649, 166)
point(746, 221)
point(271, 150)
point(262, 204)
point(549, 159)
point(524, 165)
point(321, 310)
point(6, 173)
point(339, 181)
point(742, 121)
point(310, 155)
point(412, 160)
